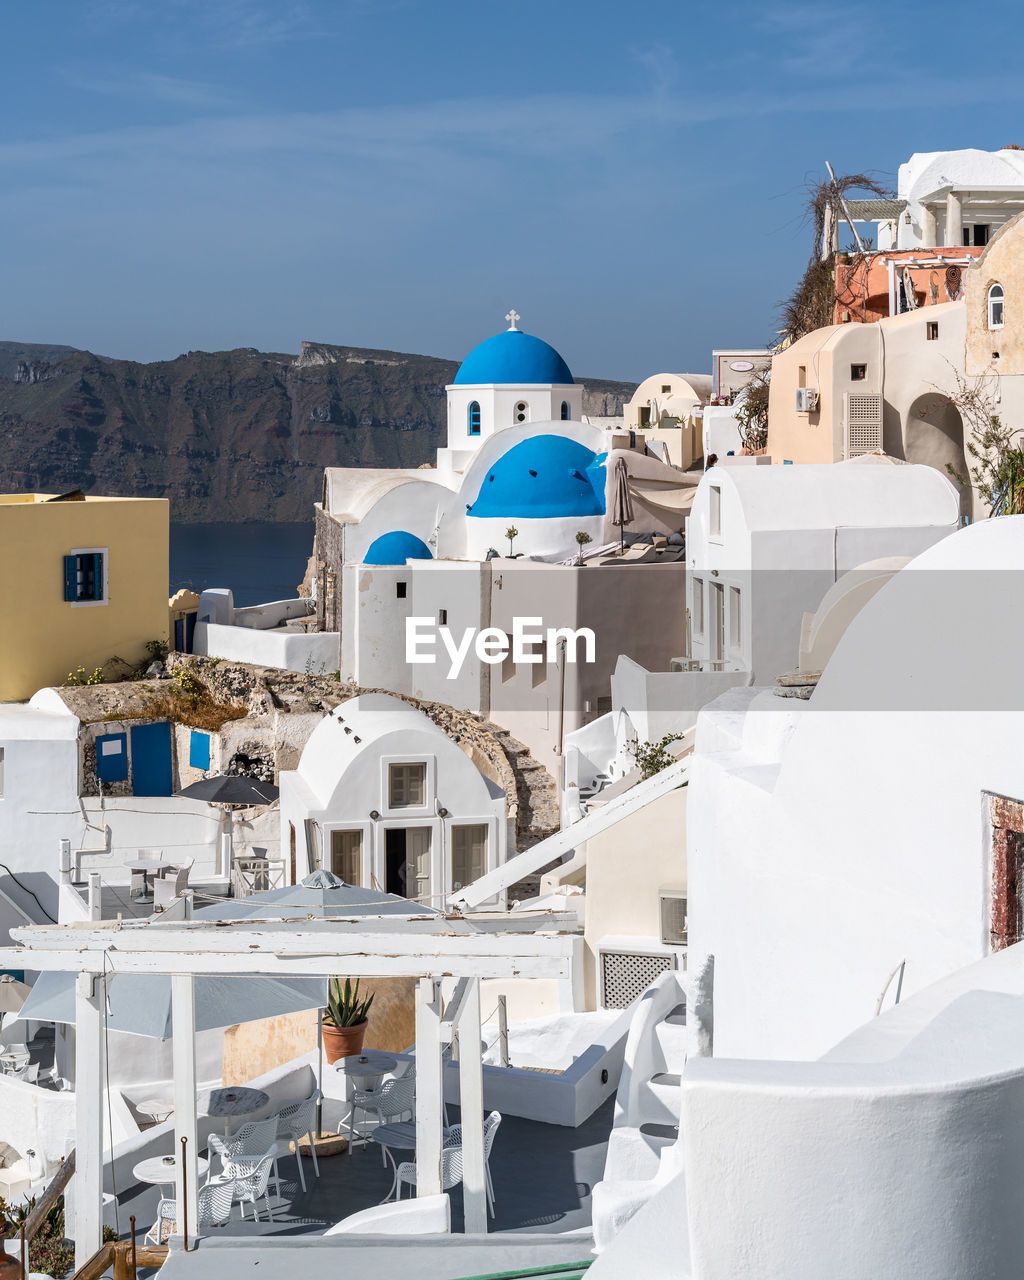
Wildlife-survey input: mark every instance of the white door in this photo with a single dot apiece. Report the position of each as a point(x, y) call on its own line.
point(417, 864)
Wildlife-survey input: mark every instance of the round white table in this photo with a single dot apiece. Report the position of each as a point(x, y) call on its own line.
point(366, 1069)
point(160, 1173)
point(239, 1100)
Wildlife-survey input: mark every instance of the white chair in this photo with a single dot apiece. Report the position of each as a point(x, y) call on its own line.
point(297, 1120)
point(139, 888)
point(214, 1207)
point(168, 887)
point(395, 1098)
point(451, 1170)
point(252, 1141)
point(453, 1137)
point(249, 1183)
point(28, 1073)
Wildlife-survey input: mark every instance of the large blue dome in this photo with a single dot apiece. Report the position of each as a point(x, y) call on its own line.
point(543, 476)
point(395, 548)
point(515, 358)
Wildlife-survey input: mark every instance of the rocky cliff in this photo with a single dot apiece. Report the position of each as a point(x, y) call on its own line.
point(226, 435)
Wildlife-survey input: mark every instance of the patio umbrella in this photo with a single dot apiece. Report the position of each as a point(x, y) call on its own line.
point(320, 896)
point(141, 1003)
point(622, 504)
point(226, 788)
point(13, 995)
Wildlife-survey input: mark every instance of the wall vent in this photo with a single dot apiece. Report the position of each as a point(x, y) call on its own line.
point(626, 975)
point(672, 903)
point(862, 424)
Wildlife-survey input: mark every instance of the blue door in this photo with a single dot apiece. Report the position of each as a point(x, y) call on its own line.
point(151, 759)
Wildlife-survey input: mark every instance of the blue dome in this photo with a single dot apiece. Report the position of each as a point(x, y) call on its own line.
point(541, 477)
point(395, 548)
point(515, 358)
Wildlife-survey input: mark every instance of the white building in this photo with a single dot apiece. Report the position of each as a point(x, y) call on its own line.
point(765, 543)
point(870, 836)
point(384, 798)
point(948, 198)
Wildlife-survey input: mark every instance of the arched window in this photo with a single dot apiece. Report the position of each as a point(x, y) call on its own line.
point(565, 411)
point(522, 411)
point(474, 418)
point(995, 306)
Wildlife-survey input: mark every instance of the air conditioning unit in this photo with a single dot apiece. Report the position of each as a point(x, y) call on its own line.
point(627, 966)
point(672, 909)
point(862, 423)
point(806, 399)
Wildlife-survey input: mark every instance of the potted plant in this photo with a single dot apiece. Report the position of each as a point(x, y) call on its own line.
point(582, 538)
point(511, 533)
point(344, 1022)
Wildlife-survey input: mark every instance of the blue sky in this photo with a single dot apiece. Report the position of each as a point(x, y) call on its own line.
point(219, 173)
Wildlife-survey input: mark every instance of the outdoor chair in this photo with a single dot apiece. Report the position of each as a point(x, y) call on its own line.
point(451, 1170)
point(168, 886)
point(28, 1073)
point(138, 887)
point(453, 1138)
point(395, 1098)
point(214, 1207)
point(252, 1141)
point(297, 1120)
point(249, 1183)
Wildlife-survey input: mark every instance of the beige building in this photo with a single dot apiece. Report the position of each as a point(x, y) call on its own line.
point(851, 389)
point(667, 408)
point(84, 579)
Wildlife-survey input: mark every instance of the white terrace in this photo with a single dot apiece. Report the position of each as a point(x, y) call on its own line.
point(431, 949)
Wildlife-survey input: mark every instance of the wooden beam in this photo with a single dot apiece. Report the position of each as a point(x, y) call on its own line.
point(471, 1105)
point(95, 1264)
point(89, 1081)
point(54, 1191)
point(429, 1085)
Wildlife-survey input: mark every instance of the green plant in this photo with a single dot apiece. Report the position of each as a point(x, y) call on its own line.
point(157, 649)
point(215, 662)
point(997, 472)
point(82, 677)
point(511, 533)
point(49, 1252)
point(344, 1006)
point(582, 539)
point(188, 682)
point(652, 757)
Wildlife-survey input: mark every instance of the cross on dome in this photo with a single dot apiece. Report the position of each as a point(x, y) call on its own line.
point(512, 317)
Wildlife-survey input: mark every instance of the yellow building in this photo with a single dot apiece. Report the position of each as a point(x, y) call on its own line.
point(83, 579)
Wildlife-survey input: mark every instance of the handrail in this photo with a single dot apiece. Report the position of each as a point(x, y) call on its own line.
point(50, 1196)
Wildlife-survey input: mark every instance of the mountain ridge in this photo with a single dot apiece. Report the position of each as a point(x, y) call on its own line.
point(225, 435)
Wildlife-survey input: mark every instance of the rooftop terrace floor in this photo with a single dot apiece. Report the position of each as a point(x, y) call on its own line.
point(543, 1177)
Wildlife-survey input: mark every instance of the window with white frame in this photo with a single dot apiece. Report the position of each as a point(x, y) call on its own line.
point(995, 306)
point(85, 576)
point(697, 610)
point(715, 511)
point(735, 619)
point(469, 853)
point(347, 855)
point(407, 786)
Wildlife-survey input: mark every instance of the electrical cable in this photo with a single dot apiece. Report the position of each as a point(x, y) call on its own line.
point(26, 889)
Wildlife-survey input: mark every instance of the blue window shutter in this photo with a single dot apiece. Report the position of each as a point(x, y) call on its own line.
point(199, 750)
point(71, 578)
point(97, 580)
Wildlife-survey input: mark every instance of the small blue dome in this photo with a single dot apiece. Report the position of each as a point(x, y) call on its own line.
point(541, 477)
point(395, 548)
point(514, 358)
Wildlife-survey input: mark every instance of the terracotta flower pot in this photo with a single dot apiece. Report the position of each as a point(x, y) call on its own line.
point(343, 1042)
point(10, 1266)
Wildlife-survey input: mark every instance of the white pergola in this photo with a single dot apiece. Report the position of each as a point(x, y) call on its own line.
point(430, 948)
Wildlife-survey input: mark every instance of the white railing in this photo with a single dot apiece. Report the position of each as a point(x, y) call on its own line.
point(256, 875)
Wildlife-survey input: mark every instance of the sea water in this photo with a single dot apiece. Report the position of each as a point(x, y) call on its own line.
point(259, 562)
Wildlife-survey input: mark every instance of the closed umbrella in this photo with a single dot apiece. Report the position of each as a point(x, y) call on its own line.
point(622, 506)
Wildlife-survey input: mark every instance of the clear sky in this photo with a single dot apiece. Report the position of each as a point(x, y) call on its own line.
point(629, 176)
